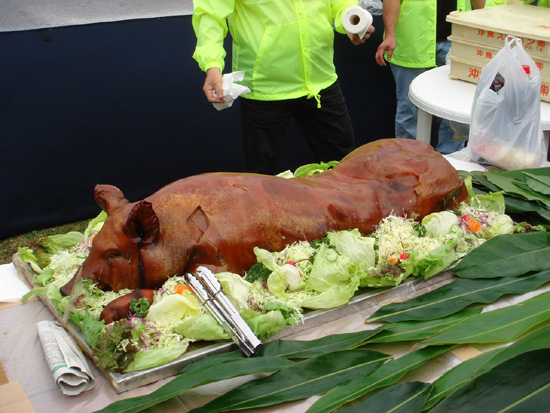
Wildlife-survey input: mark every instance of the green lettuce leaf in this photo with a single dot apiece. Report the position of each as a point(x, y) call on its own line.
point(91, 328)
point(146, 359)
point(439, 223)
point(314, 168)
point(333, 297)
point(45, 277)
point(502, 224)
point(53, 244)
point(386, 280)
point(202, 327)
point(27, 255)
point(95, 224)
point(353, 245)
point(173, 308)
point(236, 288)
point(330, 270)
point(493, 201)
point(265, 325)
point(434, 262)
point(283, 276)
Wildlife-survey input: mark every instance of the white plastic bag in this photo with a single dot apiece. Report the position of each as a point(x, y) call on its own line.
point(505, 128)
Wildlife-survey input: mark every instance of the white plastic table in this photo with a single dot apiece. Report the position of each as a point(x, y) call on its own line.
point(435, 93)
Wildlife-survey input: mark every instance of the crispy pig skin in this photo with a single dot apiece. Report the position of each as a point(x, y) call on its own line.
point(216, 219)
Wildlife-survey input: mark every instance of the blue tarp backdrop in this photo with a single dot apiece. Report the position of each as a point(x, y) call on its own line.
point(121, 103)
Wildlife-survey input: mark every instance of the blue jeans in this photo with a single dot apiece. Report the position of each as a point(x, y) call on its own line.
point(406, 113)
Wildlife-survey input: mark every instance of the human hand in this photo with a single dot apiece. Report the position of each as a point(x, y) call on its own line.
point(356, 40)
point(388, 45)
point(213, 83)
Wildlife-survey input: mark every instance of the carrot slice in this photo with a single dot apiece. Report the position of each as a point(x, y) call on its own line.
point(473, 224)
point(180, 288)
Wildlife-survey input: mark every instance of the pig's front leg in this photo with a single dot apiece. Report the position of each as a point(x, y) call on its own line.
point(120, 308)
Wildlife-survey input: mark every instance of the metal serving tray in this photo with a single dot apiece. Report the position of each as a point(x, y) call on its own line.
point(121, 382)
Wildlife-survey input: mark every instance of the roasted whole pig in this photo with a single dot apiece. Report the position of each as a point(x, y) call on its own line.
point(216, 219)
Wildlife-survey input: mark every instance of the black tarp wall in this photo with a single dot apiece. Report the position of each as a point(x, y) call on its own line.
point(121, 103)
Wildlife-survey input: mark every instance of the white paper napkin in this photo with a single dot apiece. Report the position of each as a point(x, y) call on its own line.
point(231, 89)
point(12, 289)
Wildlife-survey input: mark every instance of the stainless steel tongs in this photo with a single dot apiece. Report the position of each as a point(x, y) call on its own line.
point(209, 291)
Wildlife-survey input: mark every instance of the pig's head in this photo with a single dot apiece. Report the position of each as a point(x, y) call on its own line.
point(116, 257)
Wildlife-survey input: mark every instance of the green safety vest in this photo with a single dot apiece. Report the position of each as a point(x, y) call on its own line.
point(286, 47)
point(415, 33)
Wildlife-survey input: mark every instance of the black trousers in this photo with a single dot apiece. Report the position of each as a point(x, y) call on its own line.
point(327, 130)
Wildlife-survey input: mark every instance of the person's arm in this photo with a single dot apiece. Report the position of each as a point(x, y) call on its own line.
point(356, 40)
point(210, 25)
point(338, 8)
point(390, 14)
point(213, 83)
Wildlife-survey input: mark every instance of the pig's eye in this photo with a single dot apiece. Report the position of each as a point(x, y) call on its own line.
point(112, 254)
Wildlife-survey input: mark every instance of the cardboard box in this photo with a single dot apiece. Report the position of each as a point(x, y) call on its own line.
point(491, 25)
point(477, 35)
point(482, 54)
point(470, 71)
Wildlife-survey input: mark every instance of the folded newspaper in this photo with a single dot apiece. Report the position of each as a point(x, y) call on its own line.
point(68, 364)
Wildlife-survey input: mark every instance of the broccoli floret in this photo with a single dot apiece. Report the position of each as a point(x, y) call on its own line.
point(257, 271)
point(420, 230)
point(139, 308)
point(317, 243)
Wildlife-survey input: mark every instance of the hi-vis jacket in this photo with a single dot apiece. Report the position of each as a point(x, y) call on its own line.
point(285, 46)
point(415, 33)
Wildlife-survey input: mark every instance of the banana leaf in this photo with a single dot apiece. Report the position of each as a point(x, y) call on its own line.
point(197, 376)
point(214, 359)
point(385, 375)
point(498, 326)
point(521, 384)
point(457, 295)
point(521, 174)
point(535, 340)
point(464, 372)
point(480, 179)
point(408, 397)
point(536, 171)
point(507, 184)
point(419, 330)
point(304, 379)
point(539, 183)
point(293, 349)
point(523, 210)
point(526, 187)
point(456, 378)
point(507, 256)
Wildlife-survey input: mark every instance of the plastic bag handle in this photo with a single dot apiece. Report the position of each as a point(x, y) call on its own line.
point(509, 39)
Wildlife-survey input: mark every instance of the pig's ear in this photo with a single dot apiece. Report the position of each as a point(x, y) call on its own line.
point(143, 221)
point(109, 197)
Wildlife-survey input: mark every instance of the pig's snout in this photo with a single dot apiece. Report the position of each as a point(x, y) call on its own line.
point(67, 289)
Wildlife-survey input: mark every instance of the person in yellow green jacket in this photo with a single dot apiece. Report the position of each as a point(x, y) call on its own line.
point(286, 49)
point(415, 40)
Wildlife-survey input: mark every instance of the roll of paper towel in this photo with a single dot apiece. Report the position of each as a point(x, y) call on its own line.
point(356, 20)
